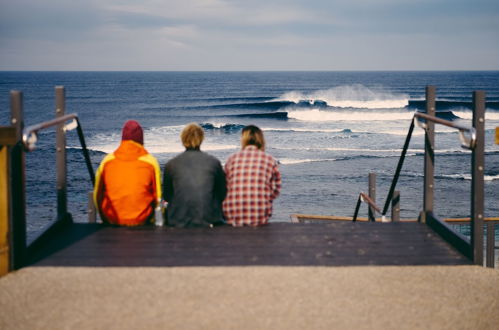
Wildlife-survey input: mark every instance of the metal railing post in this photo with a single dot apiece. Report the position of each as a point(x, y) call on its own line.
point(396, 206)
point(357, 207)
point(18, 185)
point(399, 168)
point(60, 109)
point(477, 184)
point(429, 155)
point(372, 195)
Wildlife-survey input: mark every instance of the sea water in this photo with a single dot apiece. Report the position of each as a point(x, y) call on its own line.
point(328, 130)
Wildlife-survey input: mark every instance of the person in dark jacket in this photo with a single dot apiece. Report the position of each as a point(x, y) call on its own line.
point(194, 184)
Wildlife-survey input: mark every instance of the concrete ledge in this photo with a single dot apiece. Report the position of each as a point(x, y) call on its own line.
point(388, 297)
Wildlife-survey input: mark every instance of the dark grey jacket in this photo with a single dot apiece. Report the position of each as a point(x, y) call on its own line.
point(194, 187)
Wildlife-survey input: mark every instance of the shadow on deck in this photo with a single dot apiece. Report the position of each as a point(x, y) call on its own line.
point(278, 244)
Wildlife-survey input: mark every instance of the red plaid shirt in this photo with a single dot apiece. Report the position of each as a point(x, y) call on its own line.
point(253, 182)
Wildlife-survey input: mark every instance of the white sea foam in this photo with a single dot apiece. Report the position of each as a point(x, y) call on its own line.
point(410, 151)
point(164, 139)
point(402, 132)
point(355, 150)
point(322, 116)
point(489, 115)
point(166, 147)
point(303, 130)
point(293, 161)
point(465, 176)
point(351, 96)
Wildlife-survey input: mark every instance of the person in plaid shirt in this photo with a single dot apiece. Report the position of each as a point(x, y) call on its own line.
point(253, 182)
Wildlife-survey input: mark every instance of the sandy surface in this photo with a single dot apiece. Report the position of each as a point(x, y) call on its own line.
point(435, 297)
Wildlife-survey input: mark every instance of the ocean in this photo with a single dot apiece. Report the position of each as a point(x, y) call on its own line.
point(327, 129)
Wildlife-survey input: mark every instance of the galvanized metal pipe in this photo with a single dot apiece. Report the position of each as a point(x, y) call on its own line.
point(399, 167)
point(85, 152)
point(357, 207)
point(30, 132)
point(441, 121)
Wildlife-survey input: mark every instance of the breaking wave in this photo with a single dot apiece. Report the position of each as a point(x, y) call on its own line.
point(349, 96)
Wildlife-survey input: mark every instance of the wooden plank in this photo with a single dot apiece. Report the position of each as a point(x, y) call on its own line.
point(298, 217)
point(281, 244)
point(312, 217)
point(4, 212)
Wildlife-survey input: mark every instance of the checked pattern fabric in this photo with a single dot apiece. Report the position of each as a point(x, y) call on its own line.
point(253, 182)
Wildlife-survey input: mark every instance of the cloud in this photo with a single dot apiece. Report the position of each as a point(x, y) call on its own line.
point(218, 12)
point(241, 34)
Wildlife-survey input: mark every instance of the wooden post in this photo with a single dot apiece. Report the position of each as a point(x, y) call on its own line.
point(18, 185)
point(4, 211)
point(491, 242)
point(92, 212)
point(7, 140)
point(60, 102)
point(396, 206)
point(429, 155)
point(477, 183)
point(372, 195)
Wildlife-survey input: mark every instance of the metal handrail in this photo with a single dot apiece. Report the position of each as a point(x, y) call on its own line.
point(467, 143)
point(30, 133)
point(30, 136)
point(366, 199)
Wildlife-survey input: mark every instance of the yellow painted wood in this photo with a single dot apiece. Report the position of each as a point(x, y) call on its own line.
point(7, 135)
point(4, 212)
point(497, 135)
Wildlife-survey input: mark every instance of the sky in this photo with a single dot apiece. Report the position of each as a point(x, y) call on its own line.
point(249, 35)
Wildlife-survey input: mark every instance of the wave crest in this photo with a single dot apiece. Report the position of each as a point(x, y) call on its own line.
point(349, 96)
point(225, 127)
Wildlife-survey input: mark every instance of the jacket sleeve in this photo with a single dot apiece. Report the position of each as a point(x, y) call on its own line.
point(275, 181)
point(100, 187)
point(220, 183)
point(167, 183)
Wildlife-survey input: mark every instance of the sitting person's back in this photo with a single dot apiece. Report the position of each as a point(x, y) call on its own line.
point(127, 186)
point(253, 181)
point(193, 184)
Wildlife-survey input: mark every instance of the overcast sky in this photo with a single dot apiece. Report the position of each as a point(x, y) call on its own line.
point(249, 35)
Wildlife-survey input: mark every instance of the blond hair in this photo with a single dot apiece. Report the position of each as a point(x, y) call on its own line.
point(192, 136)
point(252, 135)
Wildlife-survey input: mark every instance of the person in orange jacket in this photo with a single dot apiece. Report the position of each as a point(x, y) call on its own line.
point(128, 181)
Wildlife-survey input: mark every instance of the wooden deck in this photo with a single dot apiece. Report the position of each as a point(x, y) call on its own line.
point(278, 244)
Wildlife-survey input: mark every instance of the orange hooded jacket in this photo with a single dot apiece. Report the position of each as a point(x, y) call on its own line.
point(128, 185)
